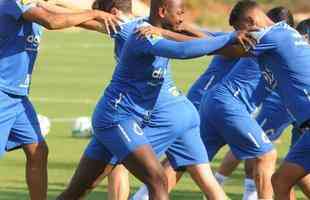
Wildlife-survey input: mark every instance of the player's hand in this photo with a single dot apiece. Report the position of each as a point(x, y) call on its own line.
point(246, 40)
point(110, 22)
point(148, 31)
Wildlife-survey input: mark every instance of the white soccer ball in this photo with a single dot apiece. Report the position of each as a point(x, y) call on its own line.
point(82, 128)
point(45, 124)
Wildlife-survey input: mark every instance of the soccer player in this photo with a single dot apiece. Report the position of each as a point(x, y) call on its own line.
point(284, 53)
point(122, 120)
point(20, 33)
point(273, 117)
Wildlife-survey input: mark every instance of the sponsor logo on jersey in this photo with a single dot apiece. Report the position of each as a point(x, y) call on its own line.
point(33, 42)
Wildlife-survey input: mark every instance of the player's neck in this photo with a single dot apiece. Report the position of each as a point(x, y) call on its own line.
point(266, 22)
point(154, 21)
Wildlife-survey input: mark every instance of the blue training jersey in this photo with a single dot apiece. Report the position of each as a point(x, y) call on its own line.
point(218, 68)
point(247, 83)
point(19, 42)
point(169, 93)
point(140, 73)
point(282, 51)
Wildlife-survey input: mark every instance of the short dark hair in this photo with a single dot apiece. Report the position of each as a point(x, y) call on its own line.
point(240, 9)
point(106, 5)
point(280, 13)
point(304, 27)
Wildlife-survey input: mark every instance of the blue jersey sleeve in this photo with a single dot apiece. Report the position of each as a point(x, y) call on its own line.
point(159, 46)
point(213, 34)
point(16, 8)
point(264, 42)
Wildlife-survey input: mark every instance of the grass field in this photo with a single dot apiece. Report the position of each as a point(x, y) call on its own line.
point(72, 70)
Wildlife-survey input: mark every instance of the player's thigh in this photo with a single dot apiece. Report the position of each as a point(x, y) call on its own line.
point(300, 152)
point(188, 149)
point(121, 139)
point(245, 137)
point(144, 165)
point(209, 133)
point(26, 128)
point(9, 107)
point(5, 129)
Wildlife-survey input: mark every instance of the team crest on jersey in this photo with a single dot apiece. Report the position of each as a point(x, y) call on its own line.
point(137, 129)
point(25, 2)
point(153, 39)
point(174, 91)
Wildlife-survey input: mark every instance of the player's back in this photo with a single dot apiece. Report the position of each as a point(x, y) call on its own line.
point(19, 41)
point(284, 52)
point(123, 34)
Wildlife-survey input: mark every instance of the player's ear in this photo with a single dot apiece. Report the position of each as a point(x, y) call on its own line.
point(162, 12)
point(251, 22)
point(306, 36)
point(115, 11)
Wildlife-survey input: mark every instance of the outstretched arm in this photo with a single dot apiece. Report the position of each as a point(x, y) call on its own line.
point(187, 33)
point(93, 25)
point(188, 49)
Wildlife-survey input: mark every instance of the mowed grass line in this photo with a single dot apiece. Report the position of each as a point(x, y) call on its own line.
point(76, 66)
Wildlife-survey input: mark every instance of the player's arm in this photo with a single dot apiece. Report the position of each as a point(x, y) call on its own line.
point(185, 34)
point(250, 44)
point(93, 25)
point(233, 51)
point(188, 49)
point(55, 21)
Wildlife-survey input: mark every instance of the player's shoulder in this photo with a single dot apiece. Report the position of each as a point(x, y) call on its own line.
point(152, 39)
point(271, 32)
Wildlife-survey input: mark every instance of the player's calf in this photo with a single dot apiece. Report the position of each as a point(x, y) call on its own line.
point(36, 170)
point(284, 180)
point(87, 176)
point(118, 184)
point(263, 169)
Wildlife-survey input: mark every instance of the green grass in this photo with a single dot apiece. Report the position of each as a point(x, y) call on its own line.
point(72, 70)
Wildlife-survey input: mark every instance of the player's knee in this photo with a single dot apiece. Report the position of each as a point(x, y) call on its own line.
point(37, 153)
point(157, 181)
point(268, 158)
point(278, 184)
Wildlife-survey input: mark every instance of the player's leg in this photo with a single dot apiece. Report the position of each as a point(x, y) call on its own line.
point(295, 167)
point(188, 152)
point(228, 165)
point(248, 141)
point(173, 178)
point(250, 192)
point(92, 168)
point(304, 185)
point(127, 143)
point(144, 165)
point(36, 169)
point(118, 184)
point(26, 132)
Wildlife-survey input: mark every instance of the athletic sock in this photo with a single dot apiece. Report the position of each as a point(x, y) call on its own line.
point(220, 178)
point(250, 192)
point(141, 194)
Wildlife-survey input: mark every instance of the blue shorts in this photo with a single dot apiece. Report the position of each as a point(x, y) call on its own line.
point(19, 124)
point(299, 153)
point(274, 117)
point(296, 134)
point(177, 137)
point(225, 120)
